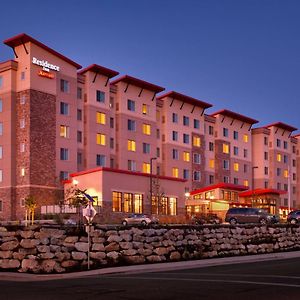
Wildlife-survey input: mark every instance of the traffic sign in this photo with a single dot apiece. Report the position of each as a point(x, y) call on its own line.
point(89, 212)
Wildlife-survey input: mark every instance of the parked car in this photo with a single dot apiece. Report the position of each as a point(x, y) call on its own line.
point(250, 215)
point(139, 219)
point(201, 219)
point(293, 217)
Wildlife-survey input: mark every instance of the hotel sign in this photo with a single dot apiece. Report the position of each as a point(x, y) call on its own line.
point(45, 72)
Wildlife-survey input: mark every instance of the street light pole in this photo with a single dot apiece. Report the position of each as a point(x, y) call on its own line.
point(151, 183)
point(253, 192)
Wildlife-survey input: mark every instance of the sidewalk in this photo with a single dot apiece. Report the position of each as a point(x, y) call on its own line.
point(159, 267)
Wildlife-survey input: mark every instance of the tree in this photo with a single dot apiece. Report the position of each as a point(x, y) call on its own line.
point(30, 205)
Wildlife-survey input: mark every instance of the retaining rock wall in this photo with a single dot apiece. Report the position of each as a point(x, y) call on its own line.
point(56, 250)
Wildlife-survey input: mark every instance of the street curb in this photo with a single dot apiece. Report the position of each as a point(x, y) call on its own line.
point(158, 267)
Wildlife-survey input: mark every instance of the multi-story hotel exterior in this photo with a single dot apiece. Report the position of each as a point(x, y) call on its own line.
point(60, 121)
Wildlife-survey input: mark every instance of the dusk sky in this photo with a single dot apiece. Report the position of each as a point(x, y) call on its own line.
point(243, 55)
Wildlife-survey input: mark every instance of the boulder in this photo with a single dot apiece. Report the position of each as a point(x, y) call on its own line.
point(6, 254)
point(153, 258)
point(98, 247)
point(71, 239)
point(114, 238)
point(129, 252)
point(27, 234)
point(112, 247)
point(98, 255)
point(135, 259)
point(43, 248)
point(175, 255)
point(79, 255)
point(113, 255)
point(69, 263)
point(82, 246)
point(9, 264)
point(160, 251)
point(9, 245)
point(28, 243)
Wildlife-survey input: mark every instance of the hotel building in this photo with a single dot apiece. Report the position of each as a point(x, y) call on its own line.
point(134, 147)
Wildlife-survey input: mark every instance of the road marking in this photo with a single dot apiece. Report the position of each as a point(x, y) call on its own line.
point(204, 280)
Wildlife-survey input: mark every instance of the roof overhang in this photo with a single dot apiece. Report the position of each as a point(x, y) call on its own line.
point(234, 115)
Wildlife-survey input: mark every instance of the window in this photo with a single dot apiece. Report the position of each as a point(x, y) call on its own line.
point(285, 144)
point(1, 105)
point(285, 159)
point(22, 99)
point(285, 173)
point(174, 135)
point(64, 108)
point(226, 179)
point(100, 96)
point(278, 143)
point(235, 135)
point(111, 102)
point(64, 131)
point(131, 165)
point(131, 145)
point(265, 141)
point(172, 206)
point(111, 143)
point(174, 118)
point(79, 115)
point(211, 179)
point(285, 187)
point(294, 162)
point(186, 138)
point(196, 158)
point(157, 133)
point(186, 121)
point(245, 153)
point(1, 128)
point(157, 152)
point(245, 168)
point(100, 118)
point(278, 157)
point(79, 93)
point(131, 105)
point(212, 163)
point(210, 130)
point(186, 156)
point(79, 136)
point(131, 125)
point(64, 154)
point(22, 147)
point(100, 160)
point(278, 186)
point(63, 175)
point(245, 138)
point(146, 148)
point(22, 123)
point(138, 203)
point(211, 146)
point(64, 86)
point(146, 129)
point(196, 141)
point(1, 82)
point(236, 167)
point(101, 139)
point(278, 171)
point(294, 149)
point(225, 148)
point(196, 124)
point(145, 109)
point(174, 153)
point(116, 201)
point(226, 164)
point(186, 174)
point(175, 172)
point(196, 175)
point(22, 172)
point(225, 132)
point(146, 168)
point(266, 155)
point(79, 158)
point(1, 152)
point(111, 122)
point(266, 184)
point(235, 150)
point(294, 176)
point(246, 182)
point(128, 202)
point(235, 181)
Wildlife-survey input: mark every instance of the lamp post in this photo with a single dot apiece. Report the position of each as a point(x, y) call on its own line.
point(151, 183)
point(253, 192)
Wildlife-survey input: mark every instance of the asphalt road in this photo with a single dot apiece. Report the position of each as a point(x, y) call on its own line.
point(274, 280)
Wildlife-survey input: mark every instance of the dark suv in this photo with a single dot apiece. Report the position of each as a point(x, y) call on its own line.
point(249, 215)
point(294, 217)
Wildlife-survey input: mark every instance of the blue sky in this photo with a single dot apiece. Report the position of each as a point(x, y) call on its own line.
point(243, 55)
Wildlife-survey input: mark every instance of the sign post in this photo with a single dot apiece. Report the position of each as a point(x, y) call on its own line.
point(89, 213)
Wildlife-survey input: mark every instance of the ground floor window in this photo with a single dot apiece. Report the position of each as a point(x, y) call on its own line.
point(127, 202)
point(164, 205)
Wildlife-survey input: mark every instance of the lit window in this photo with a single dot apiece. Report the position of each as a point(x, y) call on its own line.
point(116, 201)
point(64, 86)
point(278, 157)
point(146, 168)
point(212, 163)
point(246, 183)
point(131, 105)
point(64, 108)
point(100, 96)
point(138, 203)
point(175, 172)
point(131, 146)
point(146, 129)
point(22, 172)
point(236, 167)
point(145, 109)
point(245, 138)
point(100, 139)
point(100, 118)
point(196, 141)
point(186, 156)
point(286, 173)
point(225, 148)
point(172, 206)
point(64, 131)
point(100, 160)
